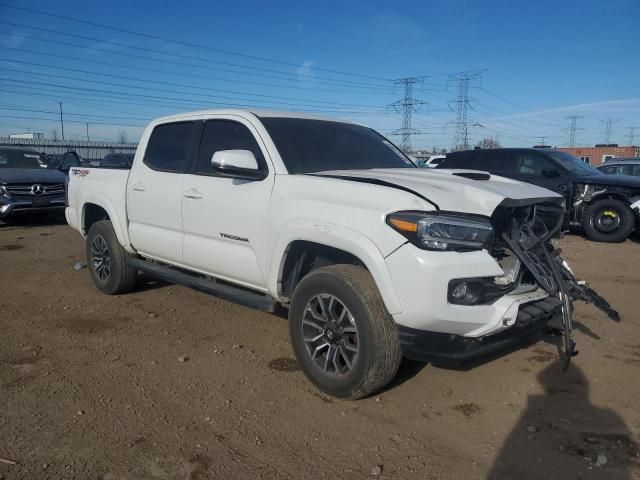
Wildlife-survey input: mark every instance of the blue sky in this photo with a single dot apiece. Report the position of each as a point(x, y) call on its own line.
point(542, 62)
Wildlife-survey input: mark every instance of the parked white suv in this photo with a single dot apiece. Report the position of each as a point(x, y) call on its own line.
point(373, 257)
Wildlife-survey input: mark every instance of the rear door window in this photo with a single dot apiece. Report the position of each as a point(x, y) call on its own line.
point(499, 162)
point(170, 147)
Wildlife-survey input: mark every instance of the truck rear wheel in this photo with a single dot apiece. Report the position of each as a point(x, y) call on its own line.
point(342, 335)
point(608, 220)
point(107, 260)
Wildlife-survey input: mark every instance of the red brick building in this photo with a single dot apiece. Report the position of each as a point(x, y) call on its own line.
point(598, 154)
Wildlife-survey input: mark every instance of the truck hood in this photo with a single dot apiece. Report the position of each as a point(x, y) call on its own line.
point(30, 175)
point(626, 181)
point(453, 190)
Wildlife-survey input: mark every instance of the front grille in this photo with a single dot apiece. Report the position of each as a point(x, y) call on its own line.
point(526, 231)
point(26, 190)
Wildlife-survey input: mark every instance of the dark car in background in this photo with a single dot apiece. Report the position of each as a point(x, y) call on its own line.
point(625, 166)
point(117, 160)
point(606, 207)
point(26, 186)
point(65, 162)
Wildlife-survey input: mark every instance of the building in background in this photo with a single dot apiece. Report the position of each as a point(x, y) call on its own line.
point(601, 153)
point(28, 136)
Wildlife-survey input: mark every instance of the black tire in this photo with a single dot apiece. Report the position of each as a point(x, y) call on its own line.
point(608, 220)
point(378, 353)
point(121, 277)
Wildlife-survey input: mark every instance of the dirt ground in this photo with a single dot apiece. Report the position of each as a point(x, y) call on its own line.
point(169, 383)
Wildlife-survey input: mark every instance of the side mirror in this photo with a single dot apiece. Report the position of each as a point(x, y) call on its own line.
point(550, 173)
point(237, 163)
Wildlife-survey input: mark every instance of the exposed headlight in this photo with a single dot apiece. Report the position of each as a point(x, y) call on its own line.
point(436, 231)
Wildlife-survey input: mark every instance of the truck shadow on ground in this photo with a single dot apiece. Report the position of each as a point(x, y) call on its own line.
point(561, 434)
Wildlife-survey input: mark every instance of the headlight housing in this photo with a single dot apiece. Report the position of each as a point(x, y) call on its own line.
point(443, 231)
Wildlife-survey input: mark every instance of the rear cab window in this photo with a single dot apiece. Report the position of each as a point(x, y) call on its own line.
point(170, 147)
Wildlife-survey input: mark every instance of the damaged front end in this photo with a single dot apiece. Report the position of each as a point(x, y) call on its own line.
point(526, 232)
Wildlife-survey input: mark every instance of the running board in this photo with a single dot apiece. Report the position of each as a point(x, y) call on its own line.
point(224, 291)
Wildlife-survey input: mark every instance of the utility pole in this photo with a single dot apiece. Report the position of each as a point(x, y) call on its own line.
point(87, 131)
point(573, 128)
point(61, 120)
point(607, 129)
point(461, 105)
point(631, 136)
point(406, 107)
point(541, 141)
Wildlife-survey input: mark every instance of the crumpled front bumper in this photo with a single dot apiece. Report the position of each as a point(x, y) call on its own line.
point(531, 322)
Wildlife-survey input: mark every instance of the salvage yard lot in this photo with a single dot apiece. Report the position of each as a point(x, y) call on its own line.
point(169, 383)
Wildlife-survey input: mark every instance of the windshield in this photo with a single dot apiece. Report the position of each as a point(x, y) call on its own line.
point(308, 146)
point(20, 159)
point(573, 164)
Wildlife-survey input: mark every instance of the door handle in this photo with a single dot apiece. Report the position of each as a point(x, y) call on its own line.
point(138, 187)
point(192, 193)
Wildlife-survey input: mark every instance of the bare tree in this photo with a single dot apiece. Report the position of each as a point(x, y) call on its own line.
point(122, 136)
point(54, 134)
point(488, 142)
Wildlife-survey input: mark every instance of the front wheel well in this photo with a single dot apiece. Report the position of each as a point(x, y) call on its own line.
point(93, 213)
point(302, 257)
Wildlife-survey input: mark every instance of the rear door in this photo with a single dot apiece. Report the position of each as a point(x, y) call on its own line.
point(154, 191)
point(225, 219)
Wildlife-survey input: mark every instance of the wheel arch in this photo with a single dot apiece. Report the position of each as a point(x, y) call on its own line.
point(309, 249)
point(96, 209)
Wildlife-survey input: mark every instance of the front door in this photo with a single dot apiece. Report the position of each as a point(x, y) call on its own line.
point(154, 192)
point(225, 219)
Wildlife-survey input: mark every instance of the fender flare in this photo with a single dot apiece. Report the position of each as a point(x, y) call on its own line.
point(119, 225)
point(339, 237)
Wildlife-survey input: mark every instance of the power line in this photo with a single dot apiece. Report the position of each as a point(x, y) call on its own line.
point(406, 107)
point(574, 128)
point(197, 58)
point(462, 105)
point(173, 84)
point(631, 135)
point(180, 73)
point(187, 44)
point(164, 90)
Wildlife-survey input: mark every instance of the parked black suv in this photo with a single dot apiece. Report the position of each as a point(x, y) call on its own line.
point(607, 207)
point(26, 185)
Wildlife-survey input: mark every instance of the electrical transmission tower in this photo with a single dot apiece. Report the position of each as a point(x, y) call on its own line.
point(608, 124)
point(574, 128)
point(461, 105)
point(631, 136)
point(406, 107)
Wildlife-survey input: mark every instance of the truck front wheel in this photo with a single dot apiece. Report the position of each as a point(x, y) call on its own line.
point(107, 260)
point(342, 335)
point(608, 220)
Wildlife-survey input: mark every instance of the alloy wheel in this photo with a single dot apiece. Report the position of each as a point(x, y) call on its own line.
point(330, 334)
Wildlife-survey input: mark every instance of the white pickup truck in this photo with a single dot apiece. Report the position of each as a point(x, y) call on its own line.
point(373, 257)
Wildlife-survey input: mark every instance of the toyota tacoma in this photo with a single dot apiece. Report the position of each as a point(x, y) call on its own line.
point(373, 257)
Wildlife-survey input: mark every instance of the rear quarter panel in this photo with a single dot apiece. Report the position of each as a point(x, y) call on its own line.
point(105, 188)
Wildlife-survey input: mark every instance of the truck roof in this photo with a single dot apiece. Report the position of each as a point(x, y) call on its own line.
point(247, 112)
